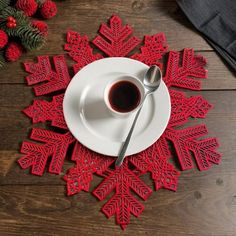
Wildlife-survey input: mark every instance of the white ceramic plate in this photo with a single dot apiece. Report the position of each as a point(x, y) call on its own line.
point(89, 120)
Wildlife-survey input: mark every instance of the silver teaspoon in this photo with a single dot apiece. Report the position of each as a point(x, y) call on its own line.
point(151, 82)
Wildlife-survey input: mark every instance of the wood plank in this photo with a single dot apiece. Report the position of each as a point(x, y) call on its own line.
point(219, 75)
point(86, 16)
point(15, 98)
point(12, 174)
point(147, 17)
point(15, 95)
point(205, 208)
point(221, 122)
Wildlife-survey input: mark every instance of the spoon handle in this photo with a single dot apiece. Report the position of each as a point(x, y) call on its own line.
point(122, 152)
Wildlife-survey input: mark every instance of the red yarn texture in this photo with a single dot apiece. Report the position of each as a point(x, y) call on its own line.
point(43, 72)
point(48, 9)
point(120, 186)
point(41, 26)
point(3, 39)
point(13, 51)
point(29, 7)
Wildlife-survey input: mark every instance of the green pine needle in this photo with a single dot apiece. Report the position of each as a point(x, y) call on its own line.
point(21, 19)
point(4, 3)
point(31, 38)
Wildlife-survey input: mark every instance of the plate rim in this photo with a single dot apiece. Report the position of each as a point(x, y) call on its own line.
point(94, 149)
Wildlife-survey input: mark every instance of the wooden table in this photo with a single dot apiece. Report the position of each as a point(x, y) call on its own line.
point(205, 203)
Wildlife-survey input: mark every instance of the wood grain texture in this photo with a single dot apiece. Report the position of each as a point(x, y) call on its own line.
point(223, 113)
point(219, 76)
point(208, 210)
point(205, 203)
point(15, 126)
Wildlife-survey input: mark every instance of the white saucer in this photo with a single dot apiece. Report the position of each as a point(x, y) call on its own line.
point(89, 120)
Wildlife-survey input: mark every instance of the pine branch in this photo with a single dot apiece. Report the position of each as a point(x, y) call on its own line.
point(22, 20)
point(31, 38)
point(4, 3)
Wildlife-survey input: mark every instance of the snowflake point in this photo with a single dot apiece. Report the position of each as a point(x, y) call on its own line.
point(152, 51)
point(42, 72)
point(123, 226)
point(115, 18)
point(28, 111)
point(115, 41)
point(79, 50)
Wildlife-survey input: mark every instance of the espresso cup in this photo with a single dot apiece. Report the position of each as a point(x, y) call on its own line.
point(124, 95)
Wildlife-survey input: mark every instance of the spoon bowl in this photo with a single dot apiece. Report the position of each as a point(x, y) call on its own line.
point(152, 79)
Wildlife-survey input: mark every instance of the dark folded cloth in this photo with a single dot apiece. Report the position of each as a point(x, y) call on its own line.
point(216, 20)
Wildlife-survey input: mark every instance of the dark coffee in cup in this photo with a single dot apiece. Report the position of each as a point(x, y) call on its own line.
point(124, 96)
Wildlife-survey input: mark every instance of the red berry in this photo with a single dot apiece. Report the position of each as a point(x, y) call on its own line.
point(41, 26)
point(11, 25)
point(29, 7)
point(13, 51)
point(48, 9)
point(3, 39)
point(11, 22)
point(10, 18)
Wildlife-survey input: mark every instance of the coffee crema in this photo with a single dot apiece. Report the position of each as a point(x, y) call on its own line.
point(124, 96)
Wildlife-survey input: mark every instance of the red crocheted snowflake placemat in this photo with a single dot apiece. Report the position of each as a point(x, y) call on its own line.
point(183, 70)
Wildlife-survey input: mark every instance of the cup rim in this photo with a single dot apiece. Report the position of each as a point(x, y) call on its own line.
point(124, 77)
